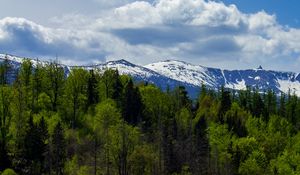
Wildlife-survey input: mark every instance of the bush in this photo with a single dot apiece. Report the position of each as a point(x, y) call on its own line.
point(8, 172)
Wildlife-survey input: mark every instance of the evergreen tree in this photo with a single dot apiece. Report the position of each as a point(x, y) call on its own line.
point(282, 105)
point(291, 105)
point(258, 105)
point(132, 105)
point(225, 103)
point(44, 147)
point(92, 89)
point(35, 146)
point(58, 153)
point(270, 104)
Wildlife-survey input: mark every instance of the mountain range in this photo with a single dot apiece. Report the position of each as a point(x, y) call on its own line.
point(173, 73)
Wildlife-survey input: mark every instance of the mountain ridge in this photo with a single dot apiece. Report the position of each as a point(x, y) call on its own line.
point(172, 73)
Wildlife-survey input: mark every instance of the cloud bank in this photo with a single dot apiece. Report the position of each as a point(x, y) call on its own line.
point(198, 31)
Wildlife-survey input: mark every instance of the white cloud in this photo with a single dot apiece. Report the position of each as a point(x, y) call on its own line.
point(136, 14)
point(198, 31)
point(25, 37)
point(261, 21)
point(114, 3)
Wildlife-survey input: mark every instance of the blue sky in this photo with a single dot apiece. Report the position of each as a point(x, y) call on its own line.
point(287, 12)
point(231, 34)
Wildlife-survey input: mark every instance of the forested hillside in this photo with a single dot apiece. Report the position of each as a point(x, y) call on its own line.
point(104, 123)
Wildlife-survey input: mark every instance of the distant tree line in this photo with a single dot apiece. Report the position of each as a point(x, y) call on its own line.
point(93, 122)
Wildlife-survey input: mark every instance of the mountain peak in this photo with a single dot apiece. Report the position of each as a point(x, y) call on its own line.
point(121, 61)
point(175, 61)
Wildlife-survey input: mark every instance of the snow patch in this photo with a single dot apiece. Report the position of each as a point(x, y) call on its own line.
point(184, 72)
point(286, 86)
point(240, 85)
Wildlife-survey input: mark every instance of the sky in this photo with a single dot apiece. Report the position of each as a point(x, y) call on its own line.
point(229, 34)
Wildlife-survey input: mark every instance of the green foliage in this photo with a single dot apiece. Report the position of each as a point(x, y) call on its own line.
point(256, 163)
point(236, 119)
point(142, 160)
point(73, 167)
point(220, 140)
point(184, 121)
point(100, 122)
point(53, 82)
point(8, 172)
point(75, 96)
point(5, 123)
point(110, 85)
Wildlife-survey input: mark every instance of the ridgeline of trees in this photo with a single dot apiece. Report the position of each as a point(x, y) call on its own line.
point(92, 123)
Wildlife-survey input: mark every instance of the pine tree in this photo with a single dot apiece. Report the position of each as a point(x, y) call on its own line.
point(92, 89)
point(270, 104)
point(58, 154)
point(225, 103)
point(132, 104)
point(36, 146)
point(282, 105)
point(291, 108)
point(257, 104)
point(44, 146)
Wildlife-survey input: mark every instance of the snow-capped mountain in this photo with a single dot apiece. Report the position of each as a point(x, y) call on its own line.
point(233, 79)
point(140, 73)
point(172, 73)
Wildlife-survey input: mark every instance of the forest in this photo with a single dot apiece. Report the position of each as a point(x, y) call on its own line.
point(93, 122)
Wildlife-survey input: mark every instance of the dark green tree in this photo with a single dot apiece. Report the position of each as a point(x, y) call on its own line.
point(58, 152)
point(258, 104)
point(225, 104)
point(92, 89)
point(132, 106)
point(282, 105)
point(35, 147)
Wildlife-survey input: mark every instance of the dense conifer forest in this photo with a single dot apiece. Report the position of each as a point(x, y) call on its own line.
point(104, 123)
